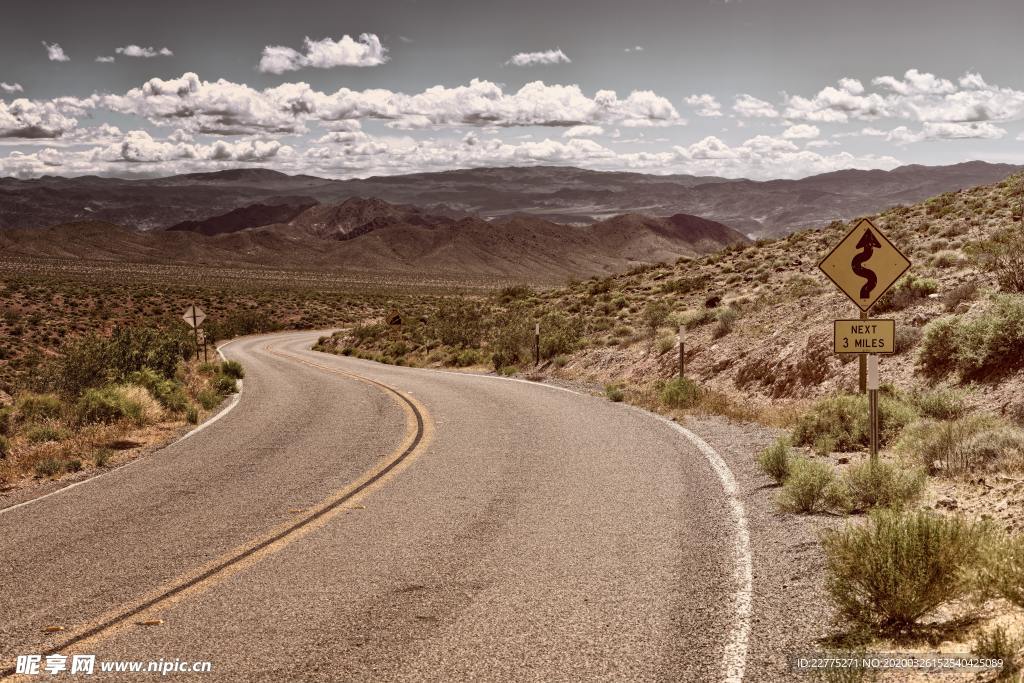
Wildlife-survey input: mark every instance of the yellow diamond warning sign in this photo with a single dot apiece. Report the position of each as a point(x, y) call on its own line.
point(865, 336)
point(864, 264)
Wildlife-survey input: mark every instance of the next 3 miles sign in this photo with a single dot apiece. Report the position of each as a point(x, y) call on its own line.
point(864, 265)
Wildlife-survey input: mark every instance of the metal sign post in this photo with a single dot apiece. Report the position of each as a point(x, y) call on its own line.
point(872, 364)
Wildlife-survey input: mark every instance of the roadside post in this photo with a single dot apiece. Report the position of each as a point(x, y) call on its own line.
point(536, 344)
point(682, 351)
point(864, 265)
point(873, 403)
point(194, 317)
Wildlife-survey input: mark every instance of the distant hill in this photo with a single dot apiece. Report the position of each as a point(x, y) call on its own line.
point(557, 194)
point(252, 216)
point(371, 235)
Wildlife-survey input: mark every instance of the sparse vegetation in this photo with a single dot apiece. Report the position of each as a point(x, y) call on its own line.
point(882, 485)
point(811, 488)
point(840, 423)
point(776, 460)
point(680, 393)
point(900, 567)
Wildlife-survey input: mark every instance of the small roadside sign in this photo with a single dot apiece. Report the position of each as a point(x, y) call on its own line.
point(865, 336)
point(194, 316)
point(394, 317)
point(864, 264)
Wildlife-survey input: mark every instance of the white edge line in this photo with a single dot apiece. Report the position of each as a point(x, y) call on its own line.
point(734, 657)
point(224, 411)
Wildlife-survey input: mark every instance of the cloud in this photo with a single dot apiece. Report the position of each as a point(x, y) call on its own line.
point(751, 107)
point(801, 131)
point(838, 105)
point(583, 132)
point(138, 146)
point(226, 108)
point(11, 87)
point(143, 52)
point(105, 60)
point(915, 82)
point(535, 58)
point(29, 119)
point(635, 48)
point(325, 54)
point(55, 53)
point(946, 131)
point(705, 105)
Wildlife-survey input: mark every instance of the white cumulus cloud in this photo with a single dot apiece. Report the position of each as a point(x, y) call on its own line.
point(752, 107)
point(705, 105)
point(583, 132)
point(801, 131)
point(143, 52)
point(11, 87)
point(55, 53)
point(325, 54)
point(555, 56)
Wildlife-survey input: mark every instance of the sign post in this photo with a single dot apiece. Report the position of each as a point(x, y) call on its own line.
point(536, 344)
point(864, 265)
point(682, 351)
point(194, 317)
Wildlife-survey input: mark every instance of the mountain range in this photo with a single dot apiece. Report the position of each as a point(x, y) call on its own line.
point(558, 194)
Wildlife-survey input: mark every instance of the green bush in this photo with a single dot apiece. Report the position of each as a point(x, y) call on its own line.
point(614, 392)
point(1003, 256)
point(988, 345)
point(997, 644)
point(899, 568)
point(43, 433)
point(968, 444)
point(511, 341)
point(727, 318)
point(1002, 569)
point(224, 384)
point(168, 393)
point(209, 399)
point(940, 404)
point(680, 392)
point(109, 404)
point(882, 485)
point(908, 291)
point(841, 423)
point(811, 487)
point(559, 334)
point(232, 368)
point(39, 406)
point(191, 415)
point(776, 460)
point(5, 447)
point(458, 322)
point(49, 467)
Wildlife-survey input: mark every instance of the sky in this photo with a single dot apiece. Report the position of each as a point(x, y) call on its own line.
point(736, 88)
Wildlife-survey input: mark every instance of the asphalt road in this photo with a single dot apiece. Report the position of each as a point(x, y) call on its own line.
point(355, 521)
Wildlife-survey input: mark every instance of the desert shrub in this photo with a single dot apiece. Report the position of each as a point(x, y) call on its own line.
point(776, 460)
point(666, 343)
point(464, 358)
point(44, 433)
point(882, 485)
point(680, 392)
point(458, 322)
point(727, 318)
point(614, 392)
point(1002, 570)
point(7, 414)
point(559, 333)
point(685, 285)
point(224, 384)
point(997, 644)
point(811, 487)
point(987, 345)
point(5, 447)
point(1003, 255)
point(370, 332)
point(514, 293)
point(900, 567)
point(971, 443)
point(654, 316)
point(232, 368)
point(939, 404)
point(511, 340)
point(840, 423)
point(31, 406)
point(49, 467)
point(906, 338)
point(114, 403)
point(908, 291)
point(238, 323)
point(191, 415)
point(169, 393)
point(702, 317)
point(209, 398)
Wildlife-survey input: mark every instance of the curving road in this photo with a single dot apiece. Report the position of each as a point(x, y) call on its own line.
point(354, 521)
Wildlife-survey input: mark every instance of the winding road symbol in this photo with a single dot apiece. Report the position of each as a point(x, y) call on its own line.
point(867, 244)
point(847, 264)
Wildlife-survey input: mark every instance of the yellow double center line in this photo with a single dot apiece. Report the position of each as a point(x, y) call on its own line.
point(419, 431)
